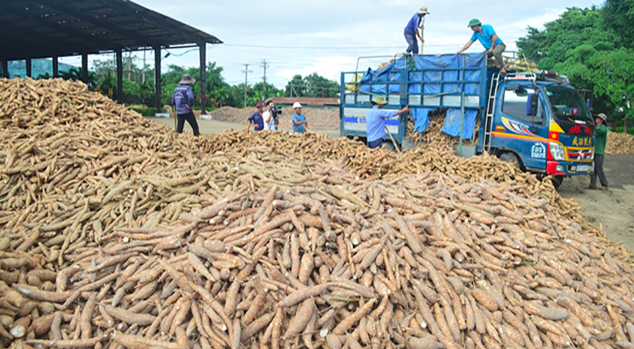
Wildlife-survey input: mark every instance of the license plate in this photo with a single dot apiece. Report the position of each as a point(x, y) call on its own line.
point(583, 168)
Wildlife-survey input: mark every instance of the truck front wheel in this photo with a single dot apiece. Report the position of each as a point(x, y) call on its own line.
point(511, 157)
point(557, 180)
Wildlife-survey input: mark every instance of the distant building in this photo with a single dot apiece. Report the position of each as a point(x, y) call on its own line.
point(39, 67)
point(307, 102)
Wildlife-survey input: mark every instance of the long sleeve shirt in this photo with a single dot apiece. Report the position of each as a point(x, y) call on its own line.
point(375, 123)
point(600, 139)
point(183, 98)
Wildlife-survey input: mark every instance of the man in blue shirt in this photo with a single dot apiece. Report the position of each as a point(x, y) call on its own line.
point(256, 119)
point(375, 121)
point(411, 30)
point(183, 99)
point(489, 39)
point(299, 120)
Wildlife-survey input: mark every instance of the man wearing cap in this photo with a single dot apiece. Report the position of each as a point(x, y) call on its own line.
point(183, 99)
point(600, 139)
point(411, 30)
point(489, 39)
point(299, 120)
point(375, 121)
point(256, 119)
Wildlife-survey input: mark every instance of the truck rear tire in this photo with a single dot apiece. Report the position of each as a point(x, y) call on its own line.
point(511, 157)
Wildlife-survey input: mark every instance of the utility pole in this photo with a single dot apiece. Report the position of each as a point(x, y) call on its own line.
point(264, 65)
point(246, 75)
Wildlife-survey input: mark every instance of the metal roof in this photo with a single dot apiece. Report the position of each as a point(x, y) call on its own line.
point(48, 28)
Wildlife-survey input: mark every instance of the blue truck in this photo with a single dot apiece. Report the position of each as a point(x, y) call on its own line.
point(533, 118)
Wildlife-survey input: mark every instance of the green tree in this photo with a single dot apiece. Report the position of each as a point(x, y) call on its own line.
point(312, 85)
point(590, 53)
point(618, 15)
point(574, 28)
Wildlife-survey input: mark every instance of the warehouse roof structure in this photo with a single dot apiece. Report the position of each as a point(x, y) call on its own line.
point(55, 28)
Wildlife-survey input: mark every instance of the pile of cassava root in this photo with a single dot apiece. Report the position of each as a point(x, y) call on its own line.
point(619, 143)
point(117, 233)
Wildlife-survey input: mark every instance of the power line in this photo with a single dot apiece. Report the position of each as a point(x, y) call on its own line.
point(333, 47)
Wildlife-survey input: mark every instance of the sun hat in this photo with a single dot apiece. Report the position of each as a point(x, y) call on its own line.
point(474, 22)
point(423, 11)
point(603, 117)
point(297, 105)
point(187, 80)
point(259, 105)
point(379, 100)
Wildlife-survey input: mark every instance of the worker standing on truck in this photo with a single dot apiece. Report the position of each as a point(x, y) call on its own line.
point(183, 99)
point(299, 120)
point(489, 39)
point(375, 121)
point(412, 30)
point(600, 139)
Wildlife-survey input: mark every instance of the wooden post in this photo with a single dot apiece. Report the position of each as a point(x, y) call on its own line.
point(422, 34)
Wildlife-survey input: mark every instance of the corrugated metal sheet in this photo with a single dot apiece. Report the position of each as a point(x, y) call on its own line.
point(39, 29)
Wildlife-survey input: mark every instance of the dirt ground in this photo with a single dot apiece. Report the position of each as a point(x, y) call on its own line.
point(318, 119)
point(215, 126)
point(614, 209)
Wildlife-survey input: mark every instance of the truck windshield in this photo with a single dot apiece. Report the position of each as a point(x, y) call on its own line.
point(567, 105)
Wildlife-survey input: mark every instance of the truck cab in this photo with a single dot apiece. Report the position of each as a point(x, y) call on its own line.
point(541, 123)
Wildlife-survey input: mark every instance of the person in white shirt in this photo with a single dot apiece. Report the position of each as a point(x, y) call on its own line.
point(269, 117)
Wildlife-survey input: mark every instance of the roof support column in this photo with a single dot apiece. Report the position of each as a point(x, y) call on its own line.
point(5, 69)
point(119, 76)
point(55, 60)
point(84, 68)
point(29, 67)
point(203, 76)
point(157, 76)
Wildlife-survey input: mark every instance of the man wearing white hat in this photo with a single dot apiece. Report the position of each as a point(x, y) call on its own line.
point(299, 120)
point(600, 139)
point(183, 99)
point(412, 30)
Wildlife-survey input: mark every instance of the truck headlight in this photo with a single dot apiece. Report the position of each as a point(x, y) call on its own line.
point(557, 151)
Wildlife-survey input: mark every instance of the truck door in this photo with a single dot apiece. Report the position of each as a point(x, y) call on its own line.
point(521, 126)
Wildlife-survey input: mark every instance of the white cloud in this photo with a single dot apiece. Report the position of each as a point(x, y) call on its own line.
point(254, 30)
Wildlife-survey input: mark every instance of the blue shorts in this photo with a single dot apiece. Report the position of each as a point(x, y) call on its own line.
point(375, 144)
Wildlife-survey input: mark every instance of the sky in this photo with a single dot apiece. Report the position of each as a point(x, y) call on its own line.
point(329, 36)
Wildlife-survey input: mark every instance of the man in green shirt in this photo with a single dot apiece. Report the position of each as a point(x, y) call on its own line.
point(600, 138)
